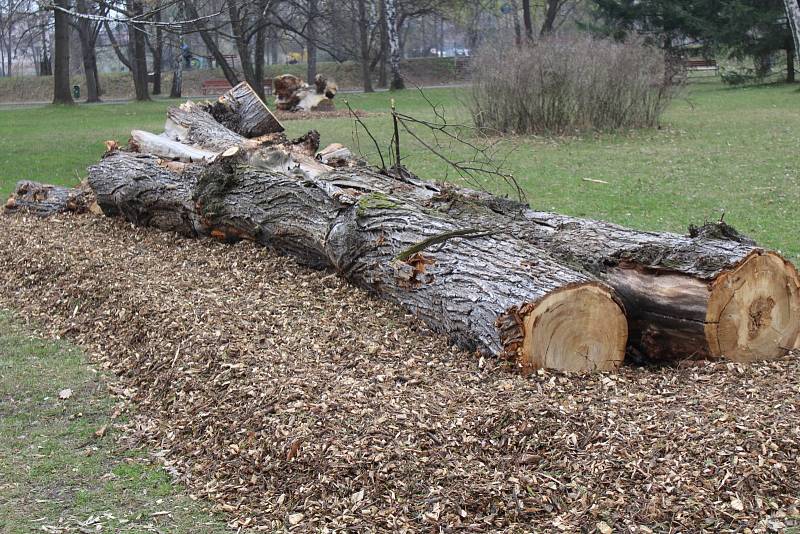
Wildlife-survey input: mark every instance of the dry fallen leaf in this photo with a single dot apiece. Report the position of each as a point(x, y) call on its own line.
point(737, 504)
point(295, 518)
point(64, 394)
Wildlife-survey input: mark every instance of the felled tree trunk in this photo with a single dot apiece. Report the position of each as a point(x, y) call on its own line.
point(710, 295)
point(45, 200)
point(707, 295)
point(483, 289)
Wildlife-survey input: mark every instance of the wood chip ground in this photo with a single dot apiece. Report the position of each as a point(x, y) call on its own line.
point(295, 401)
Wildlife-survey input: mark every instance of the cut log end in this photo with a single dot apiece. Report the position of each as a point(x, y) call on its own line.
point(754, 310)
point(578, 329)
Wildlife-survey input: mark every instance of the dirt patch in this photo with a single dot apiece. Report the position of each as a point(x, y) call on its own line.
point(308, 115)
point(291, 398)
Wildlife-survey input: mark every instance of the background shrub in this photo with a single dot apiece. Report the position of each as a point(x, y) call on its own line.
point(564, 84)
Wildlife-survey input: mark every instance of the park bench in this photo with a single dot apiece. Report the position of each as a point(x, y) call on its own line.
point(219, 86)
point(703, 65)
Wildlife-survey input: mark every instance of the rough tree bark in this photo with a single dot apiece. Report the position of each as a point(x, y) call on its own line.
point(710, 294)
point(61, 88)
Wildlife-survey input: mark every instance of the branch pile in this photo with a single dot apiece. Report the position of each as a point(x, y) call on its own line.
point(541, 289)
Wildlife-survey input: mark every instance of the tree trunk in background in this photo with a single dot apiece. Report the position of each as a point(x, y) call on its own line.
point(526, 19)
point(517, 26)
point(311, 41)
point(45, 63)
point(61, 88)
point(363, 29)
point(793, 16)
point(550, 17)
point(393, 32)
point(242, 47)
point(258, 58)
point(138, 53)
point(273, 48)
point(176, 89)
point(790, 71)
point(157, 51)
point(384, 37)
point(87, 35)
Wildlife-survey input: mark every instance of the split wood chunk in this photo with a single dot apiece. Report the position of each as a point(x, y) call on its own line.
point(242, 111)
point(159, 145)
point(44, 200)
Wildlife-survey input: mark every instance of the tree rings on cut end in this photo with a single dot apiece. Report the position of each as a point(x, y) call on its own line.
point(754, 309)
point(579, 329)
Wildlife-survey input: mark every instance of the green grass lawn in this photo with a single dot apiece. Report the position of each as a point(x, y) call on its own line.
point(55, 471)
point(720, 149)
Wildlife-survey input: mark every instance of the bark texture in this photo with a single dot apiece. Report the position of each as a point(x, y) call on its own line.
point(45, 200)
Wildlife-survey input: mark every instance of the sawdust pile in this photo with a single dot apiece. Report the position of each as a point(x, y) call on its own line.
point(292, 399)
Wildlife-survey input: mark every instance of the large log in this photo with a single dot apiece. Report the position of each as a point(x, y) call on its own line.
point(708, 295)
point(481, 288)
point(711, 294)
point(44, 200)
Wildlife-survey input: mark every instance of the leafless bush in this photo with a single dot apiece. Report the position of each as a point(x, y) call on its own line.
point(564, 84)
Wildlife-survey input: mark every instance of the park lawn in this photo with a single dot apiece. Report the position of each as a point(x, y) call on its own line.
point(719, 150)
point(55, 471)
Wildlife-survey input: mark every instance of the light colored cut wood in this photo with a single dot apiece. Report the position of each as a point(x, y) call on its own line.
point(163, 147)
point(754, 310)
point(576, 329)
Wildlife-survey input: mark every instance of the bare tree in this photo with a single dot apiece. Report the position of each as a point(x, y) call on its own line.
point(526, 19)
point(363, 32)
point(793, 15)
point(61, 89)
point(393, 32)
point(311, 40)
point(88, 32)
